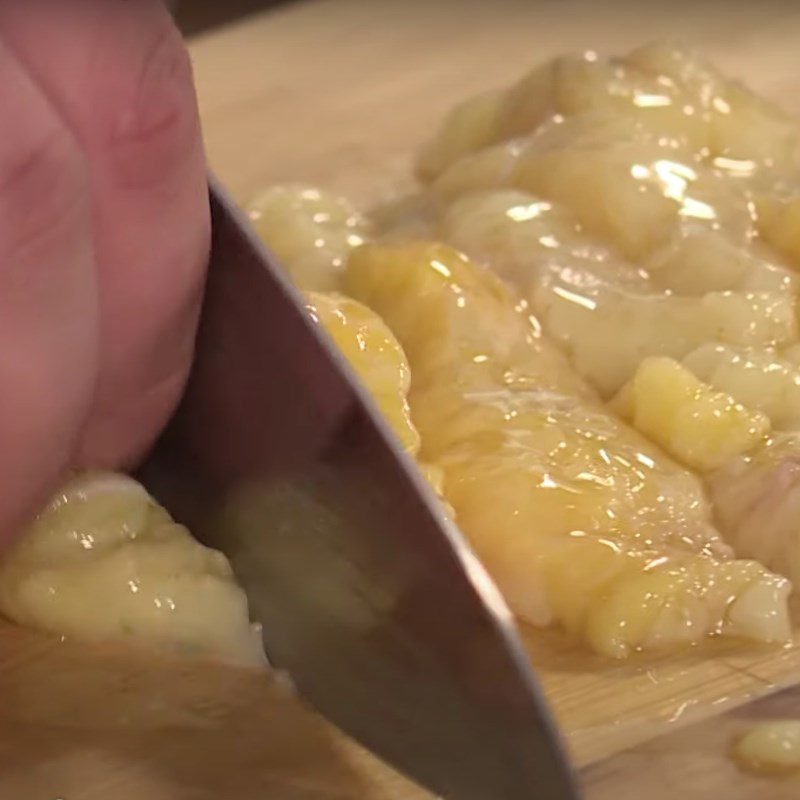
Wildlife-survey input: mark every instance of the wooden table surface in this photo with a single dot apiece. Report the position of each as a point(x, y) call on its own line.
point(339, 93)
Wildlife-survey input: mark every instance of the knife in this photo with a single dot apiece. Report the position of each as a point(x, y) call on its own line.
point(368, 595)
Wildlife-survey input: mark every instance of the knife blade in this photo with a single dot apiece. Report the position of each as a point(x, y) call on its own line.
point(368, 595)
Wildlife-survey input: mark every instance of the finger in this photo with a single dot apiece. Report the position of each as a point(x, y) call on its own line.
point(48, 297)
point(120, 74)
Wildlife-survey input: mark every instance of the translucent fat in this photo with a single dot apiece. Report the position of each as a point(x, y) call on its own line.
point(580, 519)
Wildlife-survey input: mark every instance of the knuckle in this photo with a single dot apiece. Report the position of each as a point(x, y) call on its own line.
point(42, 180)
point(156, 129)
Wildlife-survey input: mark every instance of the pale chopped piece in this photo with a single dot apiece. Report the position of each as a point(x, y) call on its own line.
point(526, 104)
point(749, 129)
point(310, 231)
point(566, 86)
point(756, 611)
point(491, 168)
point(619, 87)
point(676, 65)
point(608, 313)
point(524, 238)
point(666, 88)
point(698, 260)
point(698, 426)
point(635, 194)
point(759, 378)
point(770, 747)
point(103, 561)
point(468, 127)
point(779, 221)
point(608, 331)
point(375, 355)
point(517, 232)
point(497, 166)
point(404, 216)
point(746, 131)
point(691, 227)
point(580, 520)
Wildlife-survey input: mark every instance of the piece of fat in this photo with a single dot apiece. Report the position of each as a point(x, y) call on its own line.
point(103, 561)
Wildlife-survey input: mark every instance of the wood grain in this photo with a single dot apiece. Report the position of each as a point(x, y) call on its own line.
point(694, 764)
point(88, 722)
point(339, 92)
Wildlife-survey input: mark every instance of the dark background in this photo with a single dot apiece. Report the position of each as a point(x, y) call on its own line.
point(195, 16)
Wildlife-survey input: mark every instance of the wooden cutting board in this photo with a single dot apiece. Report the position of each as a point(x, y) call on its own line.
point(339, 93)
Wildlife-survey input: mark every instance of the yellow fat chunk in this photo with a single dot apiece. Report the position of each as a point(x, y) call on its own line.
point(374, 354)
point(447, 294)
point(310, 231)
point(700, 427)
point(761, 379)
point(580, 520)
point(652, 601)
point(103, 561)
point(377, 358)
point(770, 747)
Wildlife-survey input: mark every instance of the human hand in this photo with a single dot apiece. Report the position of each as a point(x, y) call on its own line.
point(104, 236)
